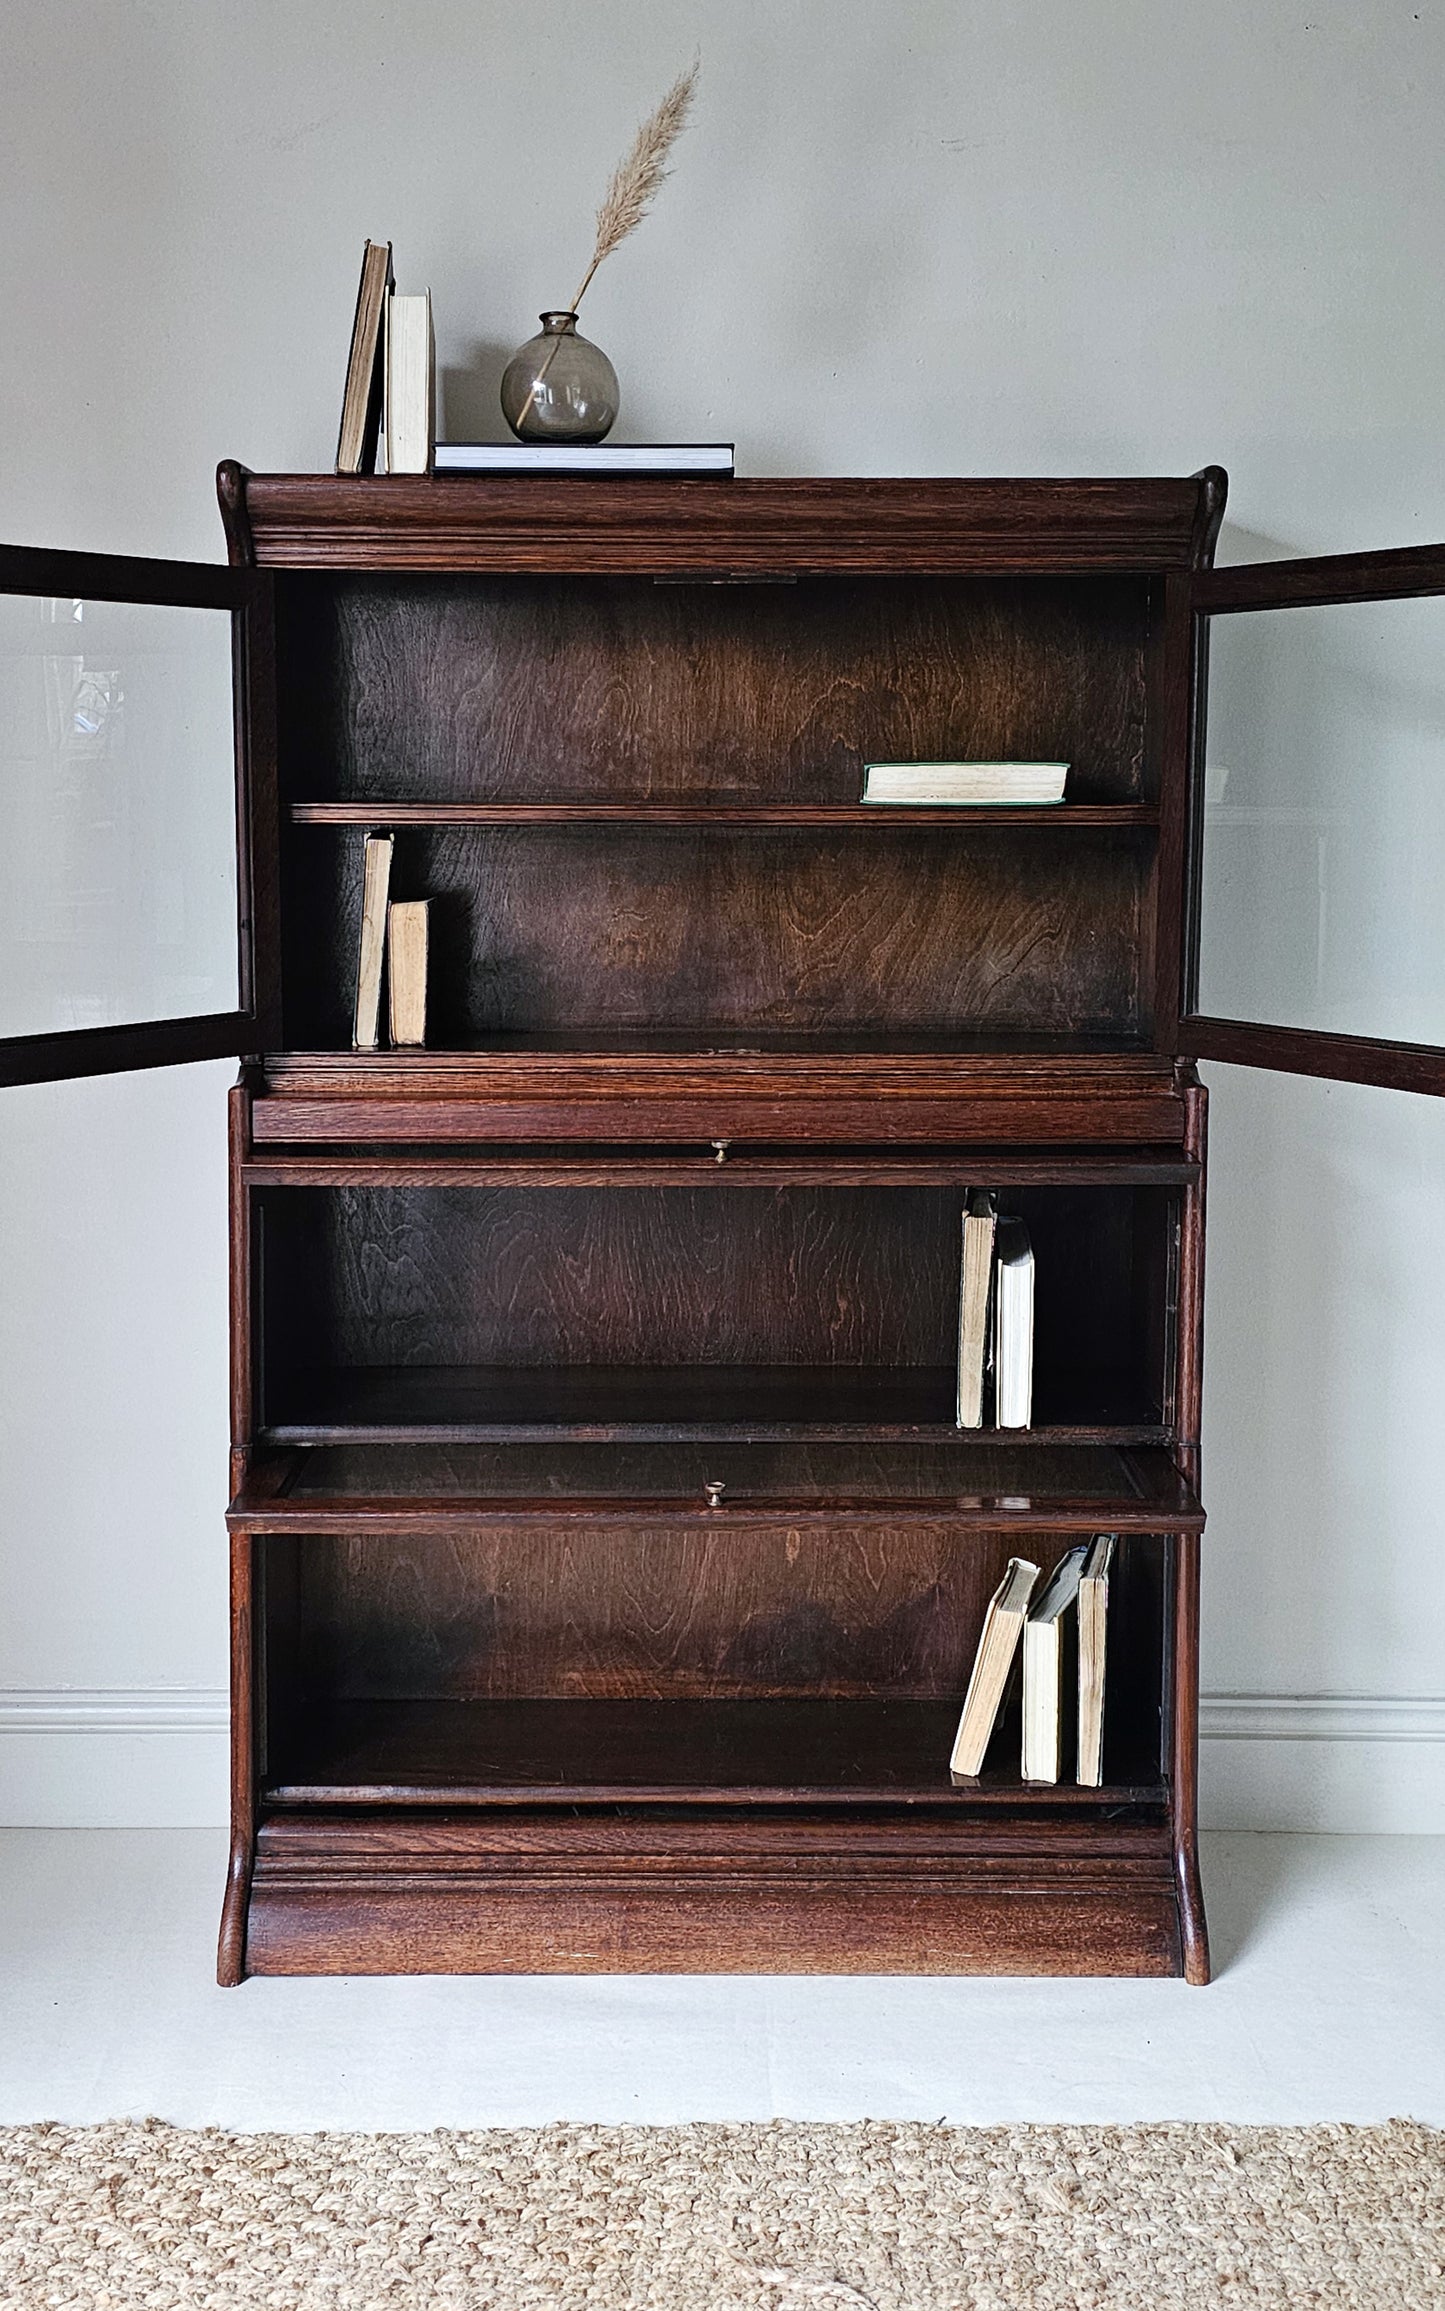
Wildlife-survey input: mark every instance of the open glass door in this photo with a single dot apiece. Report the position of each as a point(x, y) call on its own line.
point(1315, 906)
point(136, 764)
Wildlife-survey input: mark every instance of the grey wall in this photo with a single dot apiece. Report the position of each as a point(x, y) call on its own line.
point(1076, 236)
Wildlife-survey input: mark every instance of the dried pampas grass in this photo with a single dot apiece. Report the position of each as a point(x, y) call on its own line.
point(638, 179)
point(635, 185)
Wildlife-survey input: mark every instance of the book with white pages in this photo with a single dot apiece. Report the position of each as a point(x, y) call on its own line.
point(588, 459)
point(979, 783)
point(375, 888)
point(997, 1646)
point(407, 929)
point(1093, 1657)
point(1013, 1325)
point(410, 383)
point(980, 1220)
point(1050, 1641)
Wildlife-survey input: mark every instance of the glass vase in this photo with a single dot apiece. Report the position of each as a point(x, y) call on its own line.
point(559, 386)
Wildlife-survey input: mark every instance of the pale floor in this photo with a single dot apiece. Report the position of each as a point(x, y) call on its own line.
point(1329, 2004)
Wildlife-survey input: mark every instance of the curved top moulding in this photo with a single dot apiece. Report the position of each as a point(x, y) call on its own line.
point(717, 529)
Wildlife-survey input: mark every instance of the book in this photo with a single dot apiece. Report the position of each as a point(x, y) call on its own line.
point(578, 457)
point(1050, 1654)
point(361, 403)
point(375, 882)
point(964, 782)
point(406, 960)
point(998, 1643)
point(1013, 1325)
point(410, 384)
point(1093, 1636)
point(980, 1221)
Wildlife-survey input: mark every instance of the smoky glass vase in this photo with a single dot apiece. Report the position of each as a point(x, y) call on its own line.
point(559, 386)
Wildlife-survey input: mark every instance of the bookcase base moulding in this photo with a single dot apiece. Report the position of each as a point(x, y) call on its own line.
point(607, 1564)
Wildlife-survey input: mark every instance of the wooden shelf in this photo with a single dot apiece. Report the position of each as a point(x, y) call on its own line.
point(719, 815)
point(570, 1753)
point(481, 1404)
point(420, 1488)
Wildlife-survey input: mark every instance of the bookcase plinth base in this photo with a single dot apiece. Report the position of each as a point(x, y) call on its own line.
point(388, 1897)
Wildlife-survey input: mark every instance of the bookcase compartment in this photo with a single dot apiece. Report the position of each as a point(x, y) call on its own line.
point(586, 1666)
point(398, 687)
point(940, 932)
point(403, 1313)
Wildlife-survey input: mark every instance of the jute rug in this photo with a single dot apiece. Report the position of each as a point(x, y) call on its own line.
point(725, 2218)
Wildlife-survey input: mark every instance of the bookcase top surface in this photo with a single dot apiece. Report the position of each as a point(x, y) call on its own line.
point(693, 528)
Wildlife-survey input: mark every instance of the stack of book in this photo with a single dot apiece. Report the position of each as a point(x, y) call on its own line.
point(1063, 1633)
point(388, 411)
point(394, 941)
point(995, 1317)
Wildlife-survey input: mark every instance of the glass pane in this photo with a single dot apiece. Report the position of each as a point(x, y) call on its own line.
point(117, 794)
point(1323, 892)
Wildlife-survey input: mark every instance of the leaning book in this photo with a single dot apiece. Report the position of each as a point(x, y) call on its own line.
point(997, 1646)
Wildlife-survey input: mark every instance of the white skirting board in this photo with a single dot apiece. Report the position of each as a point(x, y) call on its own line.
point(157, 1760)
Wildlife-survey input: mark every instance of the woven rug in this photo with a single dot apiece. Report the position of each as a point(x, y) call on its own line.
point(725, 2218)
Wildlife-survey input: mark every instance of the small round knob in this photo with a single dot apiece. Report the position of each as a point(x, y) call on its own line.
point(714, 1490)
point(720, 1148)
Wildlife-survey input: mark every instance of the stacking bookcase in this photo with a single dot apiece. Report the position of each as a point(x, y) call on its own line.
point(607, 1565)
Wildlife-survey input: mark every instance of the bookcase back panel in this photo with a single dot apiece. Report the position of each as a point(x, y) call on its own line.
point(877, 1613)
point(885, 931)
point(427, 1282)
point(450, 688)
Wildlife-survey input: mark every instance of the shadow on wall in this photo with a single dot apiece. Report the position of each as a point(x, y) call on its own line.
point(469, 398)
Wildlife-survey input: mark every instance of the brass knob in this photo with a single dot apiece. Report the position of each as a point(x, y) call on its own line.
point(721, 1147)
point(714, 1491)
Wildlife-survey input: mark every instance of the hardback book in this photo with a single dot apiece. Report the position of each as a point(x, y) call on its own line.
point(1050, 1653)
point(410, 384)
point(1093, 1647)
point(362, 401)
point(375, 883)
point(980, 1220)
point(1013, 1325)
point(964, 782)
point(997, 1645)
point(574, 457)
point(406, 963)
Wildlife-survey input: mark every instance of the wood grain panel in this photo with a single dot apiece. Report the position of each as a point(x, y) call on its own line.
point(428, 1282)
point(871, 1923)
point(531, 689)
point(519, 1612)
point(571, 929)
point(442, 1276)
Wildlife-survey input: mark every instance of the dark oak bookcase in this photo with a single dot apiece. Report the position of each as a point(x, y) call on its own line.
point(606, 1564)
